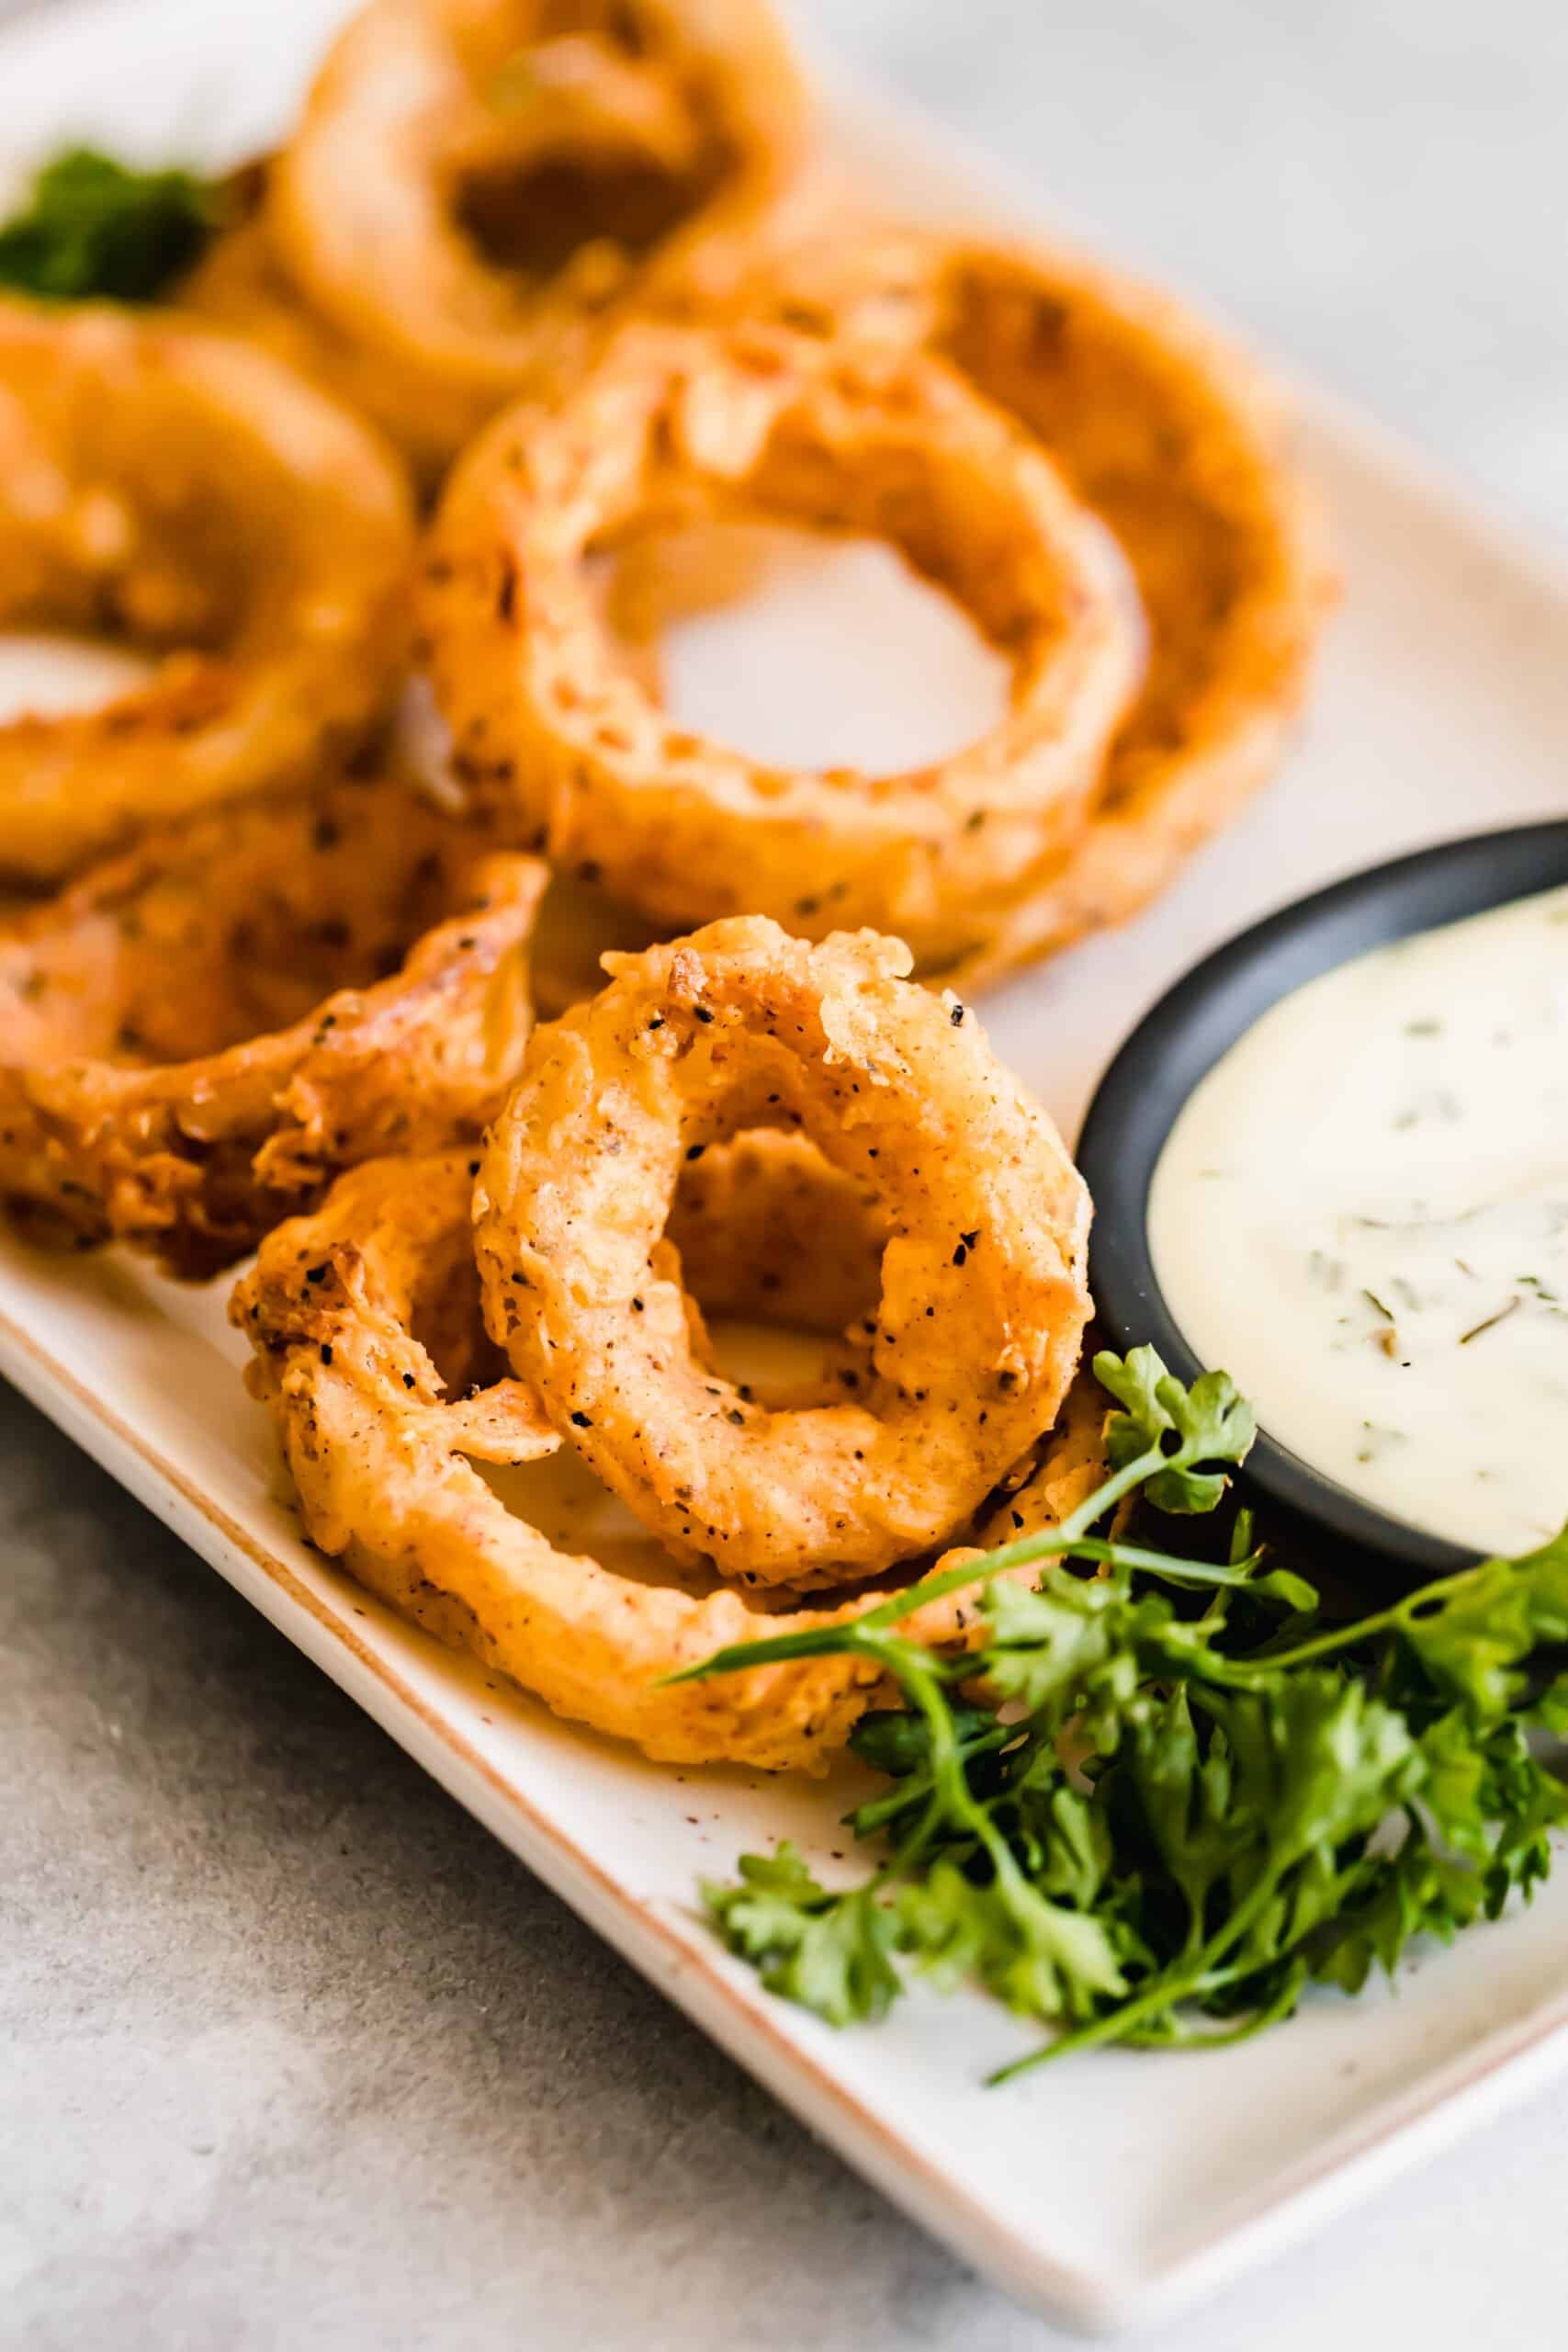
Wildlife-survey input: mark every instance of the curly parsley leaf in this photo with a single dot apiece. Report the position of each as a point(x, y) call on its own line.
point(1210, 1422)
point(1048, 1649)
point(1474, 1633)
point(829, 1952)
point(1184, 1795)
point(1414, 1892)
point(92, 226)
point(1042, 1959)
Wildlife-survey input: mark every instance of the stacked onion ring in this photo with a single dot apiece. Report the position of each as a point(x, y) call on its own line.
point(204, 1030)
point(1169, 435)
point(1171, 438)
point(1160, 436)
point(192, 495)
point(546, 712)
point(473, 180)
point(969, 1350)
point(466, 1494)
point(567, 243)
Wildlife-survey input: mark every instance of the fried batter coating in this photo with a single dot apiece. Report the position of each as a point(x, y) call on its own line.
point(189, 492)
point(983, 1299)
point(672, 422)
point(242, 286)
point(202, 1032)
point(1171, 438)
point(365, 1322)
point(472, 180)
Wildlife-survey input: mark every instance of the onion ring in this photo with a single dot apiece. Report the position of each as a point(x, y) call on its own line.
point(1175, 440)
point(543, 707)
point(198, 495)
point(982, 1300)
point(655, 133)
point(365, 1322)
point(241, 285)
point(190, 1051)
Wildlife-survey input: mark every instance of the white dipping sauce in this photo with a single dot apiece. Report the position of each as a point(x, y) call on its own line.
point(1362, 1215)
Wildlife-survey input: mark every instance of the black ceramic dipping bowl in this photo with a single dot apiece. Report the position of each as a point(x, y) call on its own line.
point(1176, 1045)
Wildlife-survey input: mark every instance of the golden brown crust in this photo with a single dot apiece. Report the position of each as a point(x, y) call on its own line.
point(983, 1297)
point(593, 150)
point(383, 1463)
point(1174, 440)
point(193, 493)
point(1172, 436)
point(674, 421)
point(202, 1032)
point(241, 285)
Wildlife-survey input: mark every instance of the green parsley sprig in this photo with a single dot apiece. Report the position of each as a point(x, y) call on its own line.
point(1184, 1795)
point(91, 226)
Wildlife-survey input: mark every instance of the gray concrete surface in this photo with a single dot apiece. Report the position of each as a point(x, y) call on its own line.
point(291, 2053)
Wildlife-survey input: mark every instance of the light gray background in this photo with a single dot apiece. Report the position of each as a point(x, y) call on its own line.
point(292, 2054)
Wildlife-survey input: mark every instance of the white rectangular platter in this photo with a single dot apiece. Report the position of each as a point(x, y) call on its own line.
point(1126, 2182)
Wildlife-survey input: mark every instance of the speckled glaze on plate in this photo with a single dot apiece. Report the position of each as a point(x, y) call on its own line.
point(1128, 2182)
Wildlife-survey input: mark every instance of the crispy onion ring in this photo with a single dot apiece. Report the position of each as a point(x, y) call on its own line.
point(591, 149)
point(192, 493)
point(201, 1032)
point(365, 1322)
point(241, 285)
point(983, 1301)
point(543, 709)
point(1171, 438)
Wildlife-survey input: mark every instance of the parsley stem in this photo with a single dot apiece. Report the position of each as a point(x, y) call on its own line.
point(1338, 1637)
point(1071, 1535)
point(1164, 1992)
point(951, 1793)
point(1256, 2021)
point(1050, 1542)
point(1430, 1601)
point(868, 1818)
point(1168, 1796)
point(911, 1667)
